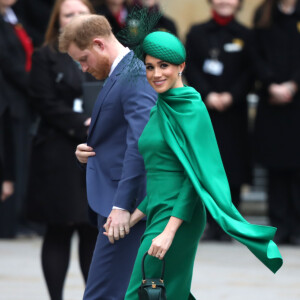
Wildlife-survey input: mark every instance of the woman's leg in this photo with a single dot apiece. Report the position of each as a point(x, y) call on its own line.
point(87, 240)
point(55, 257)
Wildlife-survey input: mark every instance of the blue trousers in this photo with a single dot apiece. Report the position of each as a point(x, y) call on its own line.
point(112, 264)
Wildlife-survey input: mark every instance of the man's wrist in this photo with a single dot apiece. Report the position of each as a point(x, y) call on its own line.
point(119, 208)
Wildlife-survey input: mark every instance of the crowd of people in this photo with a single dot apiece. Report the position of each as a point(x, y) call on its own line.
point(45, 46)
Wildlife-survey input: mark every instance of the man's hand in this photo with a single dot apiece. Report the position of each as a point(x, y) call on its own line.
point(83, 152)
point(7, 189)
point(117, 225)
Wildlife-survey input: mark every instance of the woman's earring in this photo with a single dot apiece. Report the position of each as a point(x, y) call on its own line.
point(180, 73)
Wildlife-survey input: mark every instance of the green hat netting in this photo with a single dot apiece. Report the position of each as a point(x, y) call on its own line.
point(165, 46)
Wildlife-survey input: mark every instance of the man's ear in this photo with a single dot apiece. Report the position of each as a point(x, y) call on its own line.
point(99, 43)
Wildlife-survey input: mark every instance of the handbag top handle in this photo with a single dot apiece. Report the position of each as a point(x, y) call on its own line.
point(162, 271)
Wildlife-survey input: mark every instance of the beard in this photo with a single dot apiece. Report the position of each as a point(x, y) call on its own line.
point(102, 69)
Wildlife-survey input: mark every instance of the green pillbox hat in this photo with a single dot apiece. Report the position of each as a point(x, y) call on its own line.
point(164, 46)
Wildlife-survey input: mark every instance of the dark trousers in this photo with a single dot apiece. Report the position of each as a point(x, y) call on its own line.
point(284, 202)
point(112, 264)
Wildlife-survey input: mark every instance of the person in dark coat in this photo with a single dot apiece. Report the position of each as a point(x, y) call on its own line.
point(6, 171)
point(277, 144)
point(35, 16)
point(6, 155)
point(164, 23)
point(115, 11)
point(6, 164)
point(15, 63)
point(56, 191)
point(218, 66)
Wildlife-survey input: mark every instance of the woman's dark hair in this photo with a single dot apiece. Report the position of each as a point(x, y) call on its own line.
point(264, 14)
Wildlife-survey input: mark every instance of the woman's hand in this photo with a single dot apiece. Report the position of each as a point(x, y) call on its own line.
point(161, 244)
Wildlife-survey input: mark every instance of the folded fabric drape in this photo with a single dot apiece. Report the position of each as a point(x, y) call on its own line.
point(187, 129)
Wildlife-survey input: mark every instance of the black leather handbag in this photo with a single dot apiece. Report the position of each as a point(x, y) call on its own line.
point(153, 288)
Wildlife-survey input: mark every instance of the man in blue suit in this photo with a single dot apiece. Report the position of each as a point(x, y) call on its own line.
point(115, 169)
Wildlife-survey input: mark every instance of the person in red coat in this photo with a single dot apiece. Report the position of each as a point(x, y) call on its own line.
point(15, 64)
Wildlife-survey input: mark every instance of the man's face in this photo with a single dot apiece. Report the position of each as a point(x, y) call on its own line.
point(92, 60)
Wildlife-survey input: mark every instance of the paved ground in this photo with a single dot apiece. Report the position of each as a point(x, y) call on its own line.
point(222, 271)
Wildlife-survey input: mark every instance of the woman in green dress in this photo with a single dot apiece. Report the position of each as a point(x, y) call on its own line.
point(185, 174)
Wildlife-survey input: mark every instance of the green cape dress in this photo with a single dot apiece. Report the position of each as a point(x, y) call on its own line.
point(185, 174)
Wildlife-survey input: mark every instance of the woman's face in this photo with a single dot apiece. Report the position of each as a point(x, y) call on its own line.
point(162, 75)
point(6, 3)
point(70, 9)
point(225, 8)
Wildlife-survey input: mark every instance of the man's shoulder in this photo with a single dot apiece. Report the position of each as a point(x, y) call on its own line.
point(135, 66)
point(134, 73)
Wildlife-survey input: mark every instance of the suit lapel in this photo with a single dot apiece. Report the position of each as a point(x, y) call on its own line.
point(109, 83)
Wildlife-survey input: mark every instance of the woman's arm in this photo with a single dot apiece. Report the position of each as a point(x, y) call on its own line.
point(183, 210)
point(136, 216)
point(161, 244)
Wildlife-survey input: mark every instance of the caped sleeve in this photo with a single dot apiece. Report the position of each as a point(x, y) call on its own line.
point(187, 129)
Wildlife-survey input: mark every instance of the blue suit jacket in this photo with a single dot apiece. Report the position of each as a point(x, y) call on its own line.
point(116, 175)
